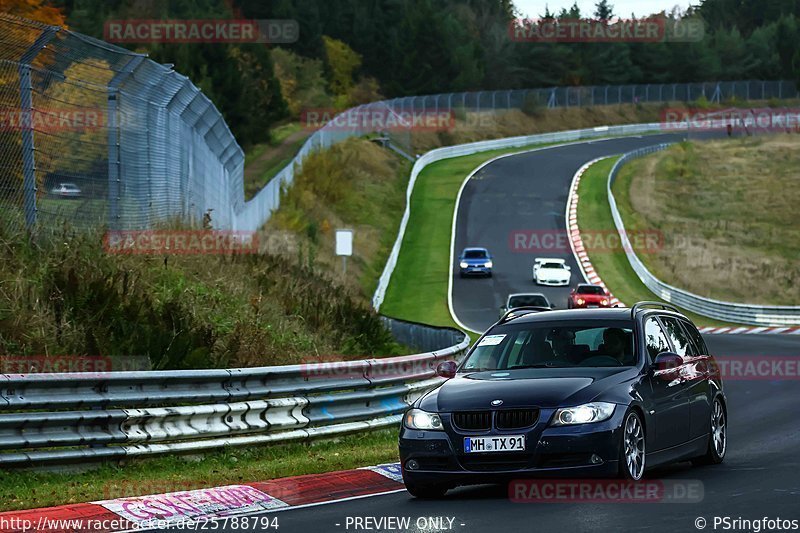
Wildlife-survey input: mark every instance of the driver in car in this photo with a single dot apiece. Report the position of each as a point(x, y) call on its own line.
point(614, 343)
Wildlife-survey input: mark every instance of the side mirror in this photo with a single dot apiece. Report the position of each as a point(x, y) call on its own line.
point(667, 361)
point(567, 267)
point(553, 306)
point(446, 369)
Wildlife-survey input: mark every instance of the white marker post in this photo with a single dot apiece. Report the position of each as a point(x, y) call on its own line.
point(344, 246)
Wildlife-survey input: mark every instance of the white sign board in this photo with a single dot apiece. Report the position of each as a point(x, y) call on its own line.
point(344, 242)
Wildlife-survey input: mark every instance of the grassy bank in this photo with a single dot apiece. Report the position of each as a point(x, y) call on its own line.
point(28, 489)
point(355, 185)
point(66, 295)
point(727, 211)
point(611, 264)
point(264, 161)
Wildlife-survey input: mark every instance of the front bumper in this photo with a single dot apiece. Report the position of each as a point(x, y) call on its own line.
point(551, 282)
point(589, 305)
point(550, 452)
point(475, 271)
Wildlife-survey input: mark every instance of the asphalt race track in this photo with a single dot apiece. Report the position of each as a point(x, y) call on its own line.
point(523, 194)
point(759, 477)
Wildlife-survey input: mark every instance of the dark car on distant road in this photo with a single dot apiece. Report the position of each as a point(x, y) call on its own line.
point(475, 262)
point(576, 393)
point(525, 299)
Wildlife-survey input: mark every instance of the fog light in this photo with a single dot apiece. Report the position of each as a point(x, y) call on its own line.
point(596, 459)
point(411, 464)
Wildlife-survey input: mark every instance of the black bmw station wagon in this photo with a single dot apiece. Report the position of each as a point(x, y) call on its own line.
point(601, 392)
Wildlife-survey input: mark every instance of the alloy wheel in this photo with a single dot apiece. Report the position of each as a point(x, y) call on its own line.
point(719, 429)
point(634, 446)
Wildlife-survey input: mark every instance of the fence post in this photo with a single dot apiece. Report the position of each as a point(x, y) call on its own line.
point(26, 112)
point(552, 102)
point(114, 171)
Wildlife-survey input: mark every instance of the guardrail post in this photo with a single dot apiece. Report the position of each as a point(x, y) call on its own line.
point(29, 187)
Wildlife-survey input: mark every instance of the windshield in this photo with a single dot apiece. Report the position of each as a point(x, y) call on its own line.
point(552, 265)
point(597, 344)
point(590, 289)
point(528, 299)
point(474, 254)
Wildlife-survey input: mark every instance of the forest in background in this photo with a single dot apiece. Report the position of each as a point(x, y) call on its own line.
point(353, 51)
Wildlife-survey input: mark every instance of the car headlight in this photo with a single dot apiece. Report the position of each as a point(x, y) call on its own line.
point(488, 264)
point(581, 301)
point(583, 414)
point(419, 419)
point(604, 302)
point(463, 264)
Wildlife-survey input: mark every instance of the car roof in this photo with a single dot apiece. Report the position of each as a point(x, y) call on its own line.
point(526, 294)
point(619, 313)
point(475, 249)
point(549, 260)
point(613, 313)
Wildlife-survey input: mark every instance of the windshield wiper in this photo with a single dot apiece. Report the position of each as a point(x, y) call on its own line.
point(550, 364)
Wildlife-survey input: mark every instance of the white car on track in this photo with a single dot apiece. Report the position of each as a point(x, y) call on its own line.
point(553, 272)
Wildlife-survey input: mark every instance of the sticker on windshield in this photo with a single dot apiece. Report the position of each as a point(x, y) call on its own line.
point(492, 340)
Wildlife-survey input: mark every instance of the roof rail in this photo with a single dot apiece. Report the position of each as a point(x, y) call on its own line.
point(661, 305)
point(522, 310)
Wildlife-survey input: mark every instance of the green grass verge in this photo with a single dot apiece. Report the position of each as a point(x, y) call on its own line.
point(418, 288)
point(594, 214)
point(33, 489)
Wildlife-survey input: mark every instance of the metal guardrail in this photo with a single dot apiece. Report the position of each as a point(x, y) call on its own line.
point(78, 417)
point(483, 146)
point(758, 315)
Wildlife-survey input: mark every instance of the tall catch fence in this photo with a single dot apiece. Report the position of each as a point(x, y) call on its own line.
point(94, 134)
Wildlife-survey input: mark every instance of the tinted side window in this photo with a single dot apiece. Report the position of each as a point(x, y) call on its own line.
point(696, 337)
point(654, 338)
point(680, 340)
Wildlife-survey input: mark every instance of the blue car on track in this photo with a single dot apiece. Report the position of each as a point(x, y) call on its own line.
point(475, 262)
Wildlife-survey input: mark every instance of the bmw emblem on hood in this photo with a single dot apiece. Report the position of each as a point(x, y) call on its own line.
point(495, 403)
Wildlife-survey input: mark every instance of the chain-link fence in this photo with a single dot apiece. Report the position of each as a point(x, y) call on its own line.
point(713, 92)
point(94, 134)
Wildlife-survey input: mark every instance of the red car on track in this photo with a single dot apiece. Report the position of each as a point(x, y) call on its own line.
point(586, 295)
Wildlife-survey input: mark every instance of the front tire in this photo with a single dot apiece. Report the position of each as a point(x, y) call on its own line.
point(717, 438)
point(632, 452)
point(426, 492)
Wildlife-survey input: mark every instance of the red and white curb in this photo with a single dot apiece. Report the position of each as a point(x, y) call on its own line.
point(749, 330)
point(590, 274)
point(575, 241)
point(160, 511)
